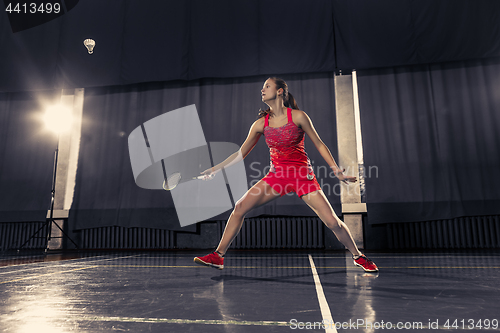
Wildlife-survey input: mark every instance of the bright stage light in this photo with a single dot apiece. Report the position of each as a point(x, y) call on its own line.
point(58, 119)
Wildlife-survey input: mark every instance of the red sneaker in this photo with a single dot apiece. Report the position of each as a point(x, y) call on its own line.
point(366, 264)
point(212, 260)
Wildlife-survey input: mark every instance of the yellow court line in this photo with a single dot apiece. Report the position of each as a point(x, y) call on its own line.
point(189, 321)
point(244, 267)
point(228, 322)
point(305, 267)
point(59, 272)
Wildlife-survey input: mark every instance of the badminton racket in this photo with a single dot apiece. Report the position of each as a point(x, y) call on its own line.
point(175, 178)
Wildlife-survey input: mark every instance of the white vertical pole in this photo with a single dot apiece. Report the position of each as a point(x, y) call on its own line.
point(357, 120)
point(69, 147)
point(350, 197)
point(74, 149)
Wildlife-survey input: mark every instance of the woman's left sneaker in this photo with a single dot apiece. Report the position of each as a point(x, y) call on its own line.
point(213, 260)
point(365, 263)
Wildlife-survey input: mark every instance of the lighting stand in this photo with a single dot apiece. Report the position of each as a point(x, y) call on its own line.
point(51, 219)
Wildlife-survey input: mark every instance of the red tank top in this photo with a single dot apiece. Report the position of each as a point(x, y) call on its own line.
point(286, 145)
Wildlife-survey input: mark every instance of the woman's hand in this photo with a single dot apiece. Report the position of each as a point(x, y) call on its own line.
point(208, 174)
point(343, 178)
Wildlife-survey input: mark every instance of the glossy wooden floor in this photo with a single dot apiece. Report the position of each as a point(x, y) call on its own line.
point(274, 291)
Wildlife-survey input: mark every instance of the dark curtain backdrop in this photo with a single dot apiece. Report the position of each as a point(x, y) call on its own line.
point(145, 41)
point(388, 33)
point(106, 193)
point(149, 40)
point(432, 132)
point(27, 155)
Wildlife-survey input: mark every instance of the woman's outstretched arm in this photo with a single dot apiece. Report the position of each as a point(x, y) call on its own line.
point(306, 124)
point(253, 137)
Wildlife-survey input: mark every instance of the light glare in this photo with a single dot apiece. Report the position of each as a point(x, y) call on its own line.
point(58, 119)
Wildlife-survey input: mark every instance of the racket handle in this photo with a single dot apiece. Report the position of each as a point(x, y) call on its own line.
point(202, 177)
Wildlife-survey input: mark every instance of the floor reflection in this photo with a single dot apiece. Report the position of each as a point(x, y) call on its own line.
point(359, 289)
point(41, 304)
point(127, 291)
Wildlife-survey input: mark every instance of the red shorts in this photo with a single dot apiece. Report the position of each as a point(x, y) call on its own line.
point(284, 183)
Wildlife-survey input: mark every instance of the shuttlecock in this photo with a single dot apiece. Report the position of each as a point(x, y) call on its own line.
point(89, 44)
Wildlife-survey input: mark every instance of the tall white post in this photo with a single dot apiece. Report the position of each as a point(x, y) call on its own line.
point(69, 147)
point(348, 137)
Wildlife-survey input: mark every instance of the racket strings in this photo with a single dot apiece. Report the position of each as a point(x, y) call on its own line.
point(172, 181)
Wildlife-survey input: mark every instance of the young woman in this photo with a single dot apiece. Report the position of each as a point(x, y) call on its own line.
point(284, 126)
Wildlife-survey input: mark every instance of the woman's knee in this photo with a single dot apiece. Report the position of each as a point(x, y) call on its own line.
point(240, 209)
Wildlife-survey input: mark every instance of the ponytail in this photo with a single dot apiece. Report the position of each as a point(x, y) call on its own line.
point(290, 102)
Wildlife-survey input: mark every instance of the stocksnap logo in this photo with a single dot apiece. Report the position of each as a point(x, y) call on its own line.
point(174, 143)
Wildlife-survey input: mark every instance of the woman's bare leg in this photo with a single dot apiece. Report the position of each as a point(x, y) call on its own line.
point(259, 194)
point(320, 205)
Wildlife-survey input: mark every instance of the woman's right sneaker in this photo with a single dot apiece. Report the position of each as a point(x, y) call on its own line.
point(365, 263)
point(213, 260)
